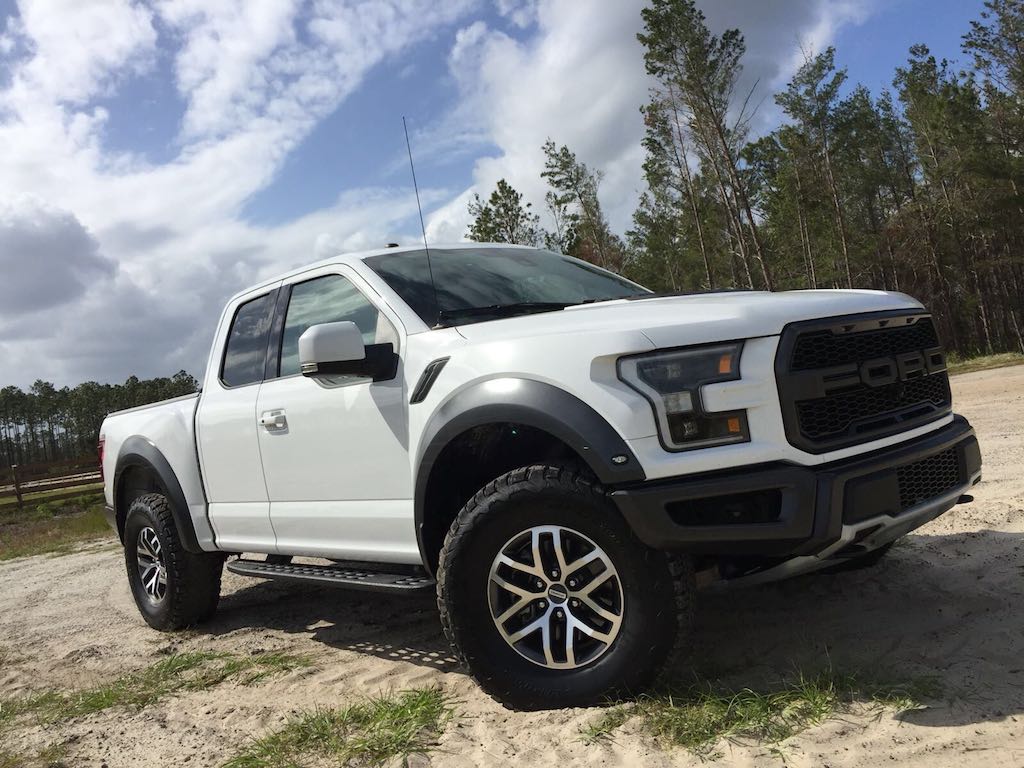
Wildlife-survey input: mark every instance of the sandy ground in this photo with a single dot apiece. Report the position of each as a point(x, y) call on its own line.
point(946, 602)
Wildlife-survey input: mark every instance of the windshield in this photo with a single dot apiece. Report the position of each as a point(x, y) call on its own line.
point(477, 285)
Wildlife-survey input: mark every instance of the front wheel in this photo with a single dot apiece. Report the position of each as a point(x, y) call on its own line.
point(548, 597)
point(173, 588)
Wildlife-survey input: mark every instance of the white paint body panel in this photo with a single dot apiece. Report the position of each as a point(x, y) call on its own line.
point(339, 481)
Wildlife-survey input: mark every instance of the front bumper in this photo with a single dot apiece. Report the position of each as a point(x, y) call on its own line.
point(795, 518)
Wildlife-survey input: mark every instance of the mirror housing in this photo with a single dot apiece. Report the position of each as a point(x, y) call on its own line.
point(337, 349)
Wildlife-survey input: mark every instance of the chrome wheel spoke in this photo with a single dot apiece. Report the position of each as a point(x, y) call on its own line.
point(556, 540)
point(513, 609)
point(587, 559)
point(545, 635)
point(150, 564)
point(570, 645)
point(529, 629)
point(543, 614)
point(515, 565)
point(601, 611)
point(538, 561)
point(600, 579)
point(510, 587)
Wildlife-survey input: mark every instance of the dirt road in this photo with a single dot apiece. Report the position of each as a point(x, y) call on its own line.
point(946, 602)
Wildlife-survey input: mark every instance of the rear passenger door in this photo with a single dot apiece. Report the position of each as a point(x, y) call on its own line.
point(226, 427)
point(335, 450)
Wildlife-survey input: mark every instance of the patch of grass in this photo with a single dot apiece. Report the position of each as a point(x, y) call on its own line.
point(193, 671)
point(39, 506)
point(52, 535)
point(372, 733)
point(967, 365)
point(699, 717)
point(605, 726)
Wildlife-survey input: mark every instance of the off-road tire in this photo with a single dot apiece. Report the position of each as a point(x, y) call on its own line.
point(193, 580)
point(861, 562)
point(657, 592)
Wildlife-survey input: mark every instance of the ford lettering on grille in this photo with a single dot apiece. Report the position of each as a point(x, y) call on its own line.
point(844, 381)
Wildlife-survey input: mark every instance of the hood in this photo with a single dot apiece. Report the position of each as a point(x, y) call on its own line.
point(672, 321)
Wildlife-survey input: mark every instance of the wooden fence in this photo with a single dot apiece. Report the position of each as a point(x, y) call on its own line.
point(58, 479)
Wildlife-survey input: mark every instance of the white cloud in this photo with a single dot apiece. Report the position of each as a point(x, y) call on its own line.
point(47, 259)
point(138, 257)
point(81, 47)
point(580, 80)
point(255, 78)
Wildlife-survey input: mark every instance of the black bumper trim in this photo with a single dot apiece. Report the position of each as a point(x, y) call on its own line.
point(812, 499)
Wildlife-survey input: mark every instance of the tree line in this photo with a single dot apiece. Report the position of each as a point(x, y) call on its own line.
point(50, 424)
point(914, 190)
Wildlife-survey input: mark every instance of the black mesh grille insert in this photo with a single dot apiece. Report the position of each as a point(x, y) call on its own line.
point(928, 478)
point(824, 349)
point(867, 406)
point(830, 399)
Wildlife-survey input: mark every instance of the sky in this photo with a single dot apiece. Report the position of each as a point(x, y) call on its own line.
point(157, 157)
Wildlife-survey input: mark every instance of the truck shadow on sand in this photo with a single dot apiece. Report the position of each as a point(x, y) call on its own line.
point(938, 607)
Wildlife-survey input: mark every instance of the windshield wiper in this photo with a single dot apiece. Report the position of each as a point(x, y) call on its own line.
point(521, 307)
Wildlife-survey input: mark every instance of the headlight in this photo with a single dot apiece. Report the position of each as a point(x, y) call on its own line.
point(671, 381)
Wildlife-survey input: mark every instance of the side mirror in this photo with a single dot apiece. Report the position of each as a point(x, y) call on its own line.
point(337, 349)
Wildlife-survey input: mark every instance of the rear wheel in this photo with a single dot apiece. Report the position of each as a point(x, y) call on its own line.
point(173, 588)
point(549, 599)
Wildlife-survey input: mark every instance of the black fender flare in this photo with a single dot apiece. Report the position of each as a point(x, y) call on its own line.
point(513, 400)
point(139, 452)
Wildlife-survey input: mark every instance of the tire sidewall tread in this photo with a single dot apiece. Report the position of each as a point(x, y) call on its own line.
point(193, 580)
point(658, 592)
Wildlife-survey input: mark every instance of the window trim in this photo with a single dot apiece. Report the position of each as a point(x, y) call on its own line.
point(272, 371)
point(275, 293)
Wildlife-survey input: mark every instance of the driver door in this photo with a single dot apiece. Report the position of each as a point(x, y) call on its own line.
point(335, 449)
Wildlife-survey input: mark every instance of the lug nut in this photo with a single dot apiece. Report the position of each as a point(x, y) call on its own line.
point(572, 583)
point(543, 605)
point(559, 614)
point(574, 603)
point(540, 584)
point(554, 574)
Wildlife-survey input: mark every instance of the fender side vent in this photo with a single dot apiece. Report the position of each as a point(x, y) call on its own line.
point(427, 379)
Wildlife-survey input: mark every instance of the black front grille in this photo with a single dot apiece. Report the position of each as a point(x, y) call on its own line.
point(928, 478)
point(864, 408)
point(825, 349)
point(830, 399)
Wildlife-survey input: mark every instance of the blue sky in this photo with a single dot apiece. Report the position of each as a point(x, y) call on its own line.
point(156, 156)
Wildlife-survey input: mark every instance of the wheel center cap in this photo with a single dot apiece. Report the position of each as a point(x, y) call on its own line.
point(558, 593)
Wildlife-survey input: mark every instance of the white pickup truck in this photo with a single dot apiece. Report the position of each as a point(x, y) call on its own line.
point(554, 449)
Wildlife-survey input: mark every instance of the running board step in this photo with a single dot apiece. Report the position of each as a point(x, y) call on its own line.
point(352, 578)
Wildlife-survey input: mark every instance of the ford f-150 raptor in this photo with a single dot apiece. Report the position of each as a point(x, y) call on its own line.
point(554, 449)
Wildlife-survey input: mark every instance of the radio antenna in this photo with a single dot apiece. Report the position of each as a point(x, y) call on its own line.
point(423, 227)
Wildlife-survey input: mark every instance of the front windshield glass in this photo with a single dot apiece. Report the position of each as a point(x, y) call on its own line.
point(477, 285)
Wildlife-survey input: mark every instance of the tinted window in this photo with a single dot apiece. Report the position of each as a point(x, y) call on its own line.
point(247, 342)
point(494, 276)
point(329, 299)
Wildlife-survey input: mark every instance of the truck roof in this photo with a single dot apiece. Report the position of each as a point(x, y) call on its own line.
point(357, 256)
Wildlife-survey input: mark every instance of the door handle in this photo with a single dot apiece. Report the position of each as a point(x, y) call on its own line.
point(274, 421)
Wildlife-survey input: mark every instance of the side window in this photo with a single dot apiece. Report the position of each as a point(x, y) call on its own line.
point(329, 299)
point(246, 349)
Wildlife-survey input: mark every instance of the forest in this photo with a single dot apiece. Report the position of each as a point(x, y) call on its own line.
point(915, 189)
point(48, 424)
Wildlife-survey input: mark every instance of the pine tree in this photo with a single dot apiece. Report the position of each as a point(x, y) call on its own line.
point(504, 218)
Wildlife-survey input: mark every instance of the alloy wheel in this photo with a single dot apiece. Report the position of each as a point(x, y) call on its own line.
point(555, 597)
